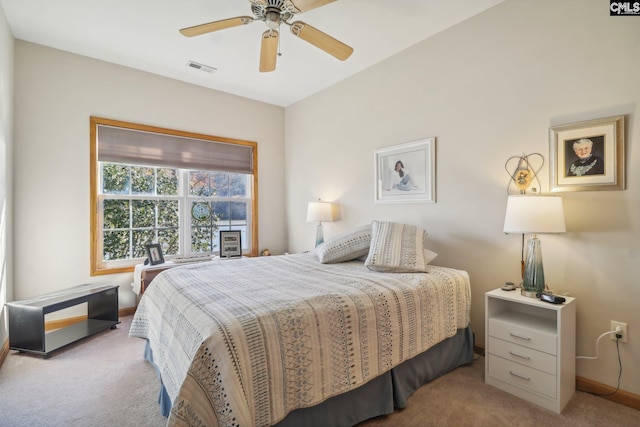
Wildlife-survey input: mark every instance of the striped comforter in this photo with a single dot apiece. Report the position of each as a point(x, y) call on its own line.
point(243, 342)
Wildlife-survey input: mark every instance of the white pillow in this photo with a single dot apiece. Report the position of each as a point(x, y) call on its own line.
point(398, 248)
point(346, 246)
point(429, 256)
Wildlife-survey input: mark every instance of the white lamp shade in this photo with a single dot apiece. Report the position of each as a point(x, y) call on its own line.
point(320, 212)
point(534, 214)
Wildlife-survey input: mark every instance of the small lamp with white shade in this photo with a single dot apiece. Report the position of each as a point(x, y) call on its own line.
point(321, 212)
point(534, 214)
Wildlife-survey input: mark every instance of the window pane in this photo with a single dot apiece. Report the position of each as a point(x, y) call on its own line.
point(116, 213)
point(142, 180)
point(170, 241)
point(238, 185)
point(168, 215)
point(140, 240)
point(115, 179)
point(116, 245)
point(243, 235)
point(201, 239)
point(199, 184)
point(167, 182)
point(220, 182)
point(238, 211)
point(144, 213)
point(222, 210)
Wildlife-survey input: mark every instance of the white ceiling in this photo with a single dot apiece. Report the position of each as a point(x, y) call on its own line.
point(143, 34)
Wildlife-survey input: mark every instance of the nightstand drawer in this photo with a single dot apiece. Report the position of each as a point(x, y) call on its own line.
point(522, 376)
point(523, 355)
point(538, 333)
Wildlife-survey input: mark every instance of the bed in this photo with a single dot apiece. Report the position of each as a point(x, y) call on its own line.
point(291, 341)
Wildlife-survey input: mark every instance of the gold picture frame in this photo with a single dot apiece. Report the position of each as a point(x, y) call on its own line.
point(588, 156)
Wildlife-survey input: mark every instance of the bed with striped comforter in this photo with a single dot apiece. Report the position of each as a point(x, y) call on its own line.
point(243, 342)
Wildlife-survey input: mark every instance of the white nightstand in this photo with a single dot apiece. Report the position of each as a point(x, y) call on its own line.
point(530, 347)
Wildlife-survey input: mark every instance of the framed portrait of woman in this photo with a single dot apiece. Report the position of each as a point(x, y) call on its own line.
point(588, 156)
point(405, 173)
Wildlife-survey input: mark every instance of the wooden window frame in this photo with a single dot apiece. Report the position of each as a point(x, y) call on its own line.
point(95, 267)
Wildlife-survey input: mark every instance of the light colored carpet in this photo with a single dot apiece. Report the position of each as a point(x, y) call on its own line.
point(461, 398)
point(100, 381)
point(104, 381)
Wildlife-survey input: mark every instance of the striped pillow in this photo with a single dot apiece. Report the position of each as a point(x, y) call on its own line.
point(346, 246)
point(397, 248)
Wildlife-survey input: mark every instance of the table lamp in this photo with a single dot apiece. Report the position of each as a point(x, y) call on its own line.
point(319, 211)
point(534, 214)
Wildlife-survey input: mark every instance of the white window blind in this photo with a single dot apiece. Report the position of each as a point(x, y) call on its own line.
point(122, 145)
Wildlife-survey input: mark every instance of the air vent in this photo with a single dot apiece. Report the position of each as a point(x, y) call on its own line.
point(201, 67)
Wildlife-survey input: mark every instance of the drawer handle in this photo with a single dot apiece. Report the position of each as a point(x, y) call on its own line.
point(519, 336)
point(519, 355)
point(524, 377)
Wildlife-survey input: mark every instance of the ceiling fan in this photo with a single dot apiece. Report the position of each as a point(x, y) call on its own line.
point(274, 13)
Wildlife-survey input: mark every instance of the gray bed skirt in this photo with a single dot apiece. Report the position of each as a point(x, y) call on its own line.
point(377, 397)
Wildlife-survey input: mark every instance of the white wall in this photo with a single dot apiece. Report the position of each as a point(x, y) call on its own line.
point(6, 144)
point(488, 89)
point(55, 94)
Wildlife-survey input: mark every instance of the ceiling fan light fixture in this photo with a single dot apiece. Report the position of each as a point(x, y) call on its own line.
point(272, 18)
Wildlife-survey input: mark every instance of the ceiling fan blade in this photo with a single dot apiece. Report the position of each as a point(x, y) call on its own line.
point(198, 30)
point(305, 5)
point(321, 40)
point(269, 51)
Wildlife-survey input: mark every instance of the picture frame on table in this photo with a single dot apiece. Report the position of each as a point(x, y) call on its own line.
point(406, 173)
point(587, 156)
point(230, 244)
point(154, 253)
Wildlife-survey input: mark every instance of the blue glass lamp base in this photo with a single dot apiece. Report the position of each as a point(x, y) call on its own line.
point(533, 280)
point(319, 235)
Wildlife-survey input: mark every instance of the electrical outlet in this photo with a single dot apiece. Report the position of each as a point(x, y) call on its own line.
point(623, 327)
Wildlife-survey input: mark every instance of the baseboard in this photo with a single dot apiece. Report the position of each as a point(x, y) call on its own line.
point(4, 352)
point(129, 311)
point(62, 323)
point(478, 349)
point(623, 397)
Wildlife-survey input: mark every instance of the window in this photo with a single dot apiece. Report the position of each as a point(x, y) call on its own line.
point(152, 185)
